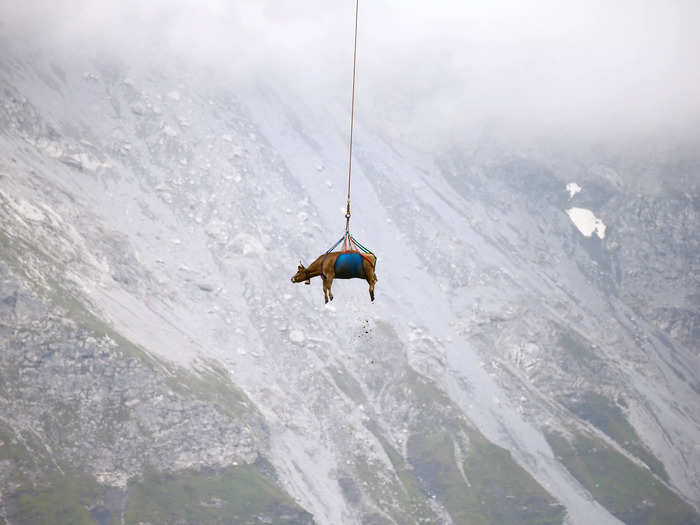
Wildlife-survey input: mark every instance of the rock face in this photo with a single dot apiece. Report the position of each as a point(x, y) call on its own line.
point(86, 415)
point(158, 366)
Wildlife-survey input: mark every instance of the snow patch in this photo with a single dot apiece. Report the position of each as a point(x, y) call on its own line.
point(573, 189)
point(586, 222)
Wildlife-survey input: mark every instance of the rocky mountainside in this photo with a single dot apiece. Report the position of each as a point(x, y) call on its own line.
point(532, 355)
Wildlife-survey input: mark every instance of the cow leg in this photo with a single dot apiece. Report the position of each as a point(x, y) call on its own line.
point(330, 283)
point(325, 290)
point(371, 279)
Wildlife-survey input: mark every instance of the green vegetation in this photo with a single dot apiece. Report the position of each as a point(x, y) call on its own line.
point(72, 308)
point(507, 492)
point(412, 500)
point(400, 497)
point(11, 448)
point(235, 495)
point(19, 453)
point(64, 499)
point(212, 385)
point(15, 252)
point(376, 519)
point(433, 458)
point(451, 463)
point(243, 494)
point(607, 416)
point(46, 495)
point(496, 489)
point(627, 490)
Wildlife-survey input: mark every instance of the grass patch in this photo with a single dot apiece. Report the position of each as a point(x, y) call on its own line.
point(73, 308)
point(210, 384)
point(12, 448)
point(608, 417)
point(475, 481)
point(402, 500)
point(496, 491)
point(64, 500)
point(627, 490)
point(376, 519)
point(40, 269)
point(433, 458)
point(508, 494)
point(213, 385)
point(233, 495)
point(46, 496)
point(411, 499)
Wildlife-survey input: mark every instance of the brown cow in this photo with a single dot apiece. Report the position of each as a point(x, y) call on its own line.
point(325, 267)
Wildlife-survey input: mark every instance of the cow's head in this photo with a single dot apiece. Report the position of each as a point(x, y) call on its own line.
point(301, 275)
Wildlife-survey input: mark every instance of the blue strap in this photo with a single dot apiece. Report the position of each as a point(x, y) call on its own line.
point(323, 275)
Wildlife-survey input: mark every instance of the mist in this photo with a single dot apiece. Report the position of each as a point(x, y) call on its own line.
point(588, 71)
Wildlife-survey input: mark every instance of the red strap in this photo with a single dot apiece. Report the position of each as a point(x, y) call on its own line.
point(361, 255)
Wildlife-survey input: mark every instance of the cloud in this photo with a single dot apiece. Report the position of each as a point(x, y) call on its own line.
point(431, 70)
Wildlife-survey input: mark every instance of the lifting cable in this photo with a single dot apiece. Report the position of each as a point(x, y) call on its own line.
point(348, 240)
point(352, 118)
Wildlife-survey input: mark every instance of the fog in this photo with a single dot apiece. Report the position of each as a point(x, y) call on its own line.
point(429, 70)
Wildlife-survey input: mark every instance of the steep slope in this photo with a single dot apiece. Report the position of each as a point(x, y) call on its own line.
point(158, 368)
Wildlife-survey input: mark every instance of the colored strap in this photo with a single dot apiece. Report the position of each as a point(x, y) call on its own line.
point(323, 275)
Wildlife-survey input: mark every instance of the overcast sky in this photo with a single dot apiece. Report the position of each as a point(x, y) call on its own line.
point(442, 67)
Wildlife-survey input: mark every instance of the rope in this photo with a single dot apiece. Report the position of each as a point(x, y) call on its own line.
point(352, 116)
point(350, 244)
point(323, 275)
